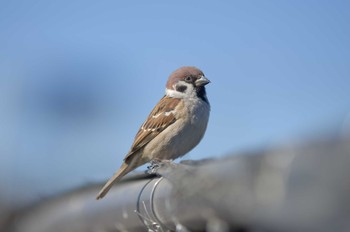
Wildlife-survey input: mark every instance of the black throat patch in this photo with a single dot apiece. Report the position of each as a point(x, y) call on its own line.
point(201, 93)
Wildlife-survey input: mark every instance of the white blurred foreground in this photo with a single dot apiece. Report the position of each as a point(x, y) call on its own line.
point(303, 187)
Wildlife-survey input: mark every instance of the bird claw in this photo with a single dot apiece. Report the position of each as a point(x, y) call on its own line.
point(155, 165)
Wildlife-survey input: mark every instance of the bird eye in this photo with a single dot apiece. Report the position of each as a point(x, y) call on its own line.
point(188, 79)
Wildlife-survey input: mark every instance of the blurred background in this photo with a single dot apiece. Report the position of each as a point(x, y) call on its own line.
point(77, 79)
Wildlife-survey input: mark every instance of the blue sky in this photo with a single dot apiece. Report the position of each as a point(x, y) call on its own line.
point(77, 79)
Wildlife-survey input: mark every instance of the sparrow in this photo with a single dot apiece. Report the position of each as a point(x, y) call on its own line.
point(174, 126)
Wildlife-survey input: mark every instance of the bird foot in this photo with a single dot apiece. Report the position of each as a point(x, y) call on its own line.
point(156, 164)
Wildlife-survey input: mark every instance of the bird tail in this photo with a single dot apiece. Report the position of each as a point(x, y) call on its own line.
point(125, 168)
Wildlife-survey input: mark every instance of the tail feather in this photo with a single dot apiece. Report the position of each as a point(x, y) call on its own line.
point(124, 169)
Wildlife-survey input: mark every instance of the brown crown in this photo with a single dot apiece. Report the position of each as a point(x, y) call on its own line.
point(182, 73)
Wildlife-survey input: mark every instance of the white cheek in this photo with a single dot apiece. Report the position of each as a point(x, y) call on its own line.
point(173, 93)
point(189, 87)
point(189, 92)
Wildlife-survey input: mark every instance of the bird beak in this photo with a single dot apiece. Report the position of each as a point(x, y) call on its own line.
point(202, 81)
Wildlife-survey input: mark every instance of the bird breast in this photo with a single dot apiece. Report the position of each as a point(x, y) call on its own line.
point(184, 134)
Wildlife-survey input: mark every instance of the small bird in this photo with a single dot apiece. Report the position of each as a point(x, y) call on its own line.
point(175, 125)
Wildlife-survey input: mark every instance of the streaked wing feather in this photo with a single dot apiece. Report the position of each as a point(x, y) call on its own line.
point(159, 119)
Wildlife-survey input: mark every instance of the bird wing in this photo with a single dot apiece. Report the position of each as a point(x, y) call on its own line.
point(159, 119)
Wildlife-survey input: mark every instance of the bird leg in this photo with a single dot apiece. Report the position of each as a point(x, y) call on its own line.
point(155, 164)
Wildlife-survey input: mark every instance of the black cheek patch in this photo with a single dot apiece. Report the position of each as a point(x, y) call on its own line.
point(181, 88)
